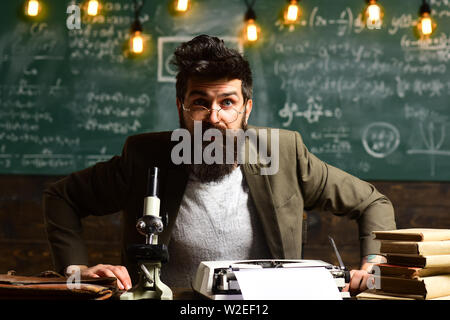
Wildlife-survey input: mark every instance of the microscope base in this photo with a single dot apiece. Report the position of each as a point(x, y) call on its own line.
point(149, 286)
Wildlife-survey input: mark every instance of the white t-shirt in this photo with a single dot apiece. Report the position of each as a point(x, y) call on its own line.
point(216, 221)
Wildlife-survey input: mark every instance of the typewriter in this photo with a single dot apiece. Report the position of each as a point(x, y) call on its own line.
point(216, 279)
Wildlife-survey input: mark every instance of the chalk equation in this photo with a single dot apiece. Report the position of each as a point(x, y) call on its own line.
point(91, 159)
point(313, 113)
point(331, 140)
point(380, 139)
point(46, 158)
point(348, 21)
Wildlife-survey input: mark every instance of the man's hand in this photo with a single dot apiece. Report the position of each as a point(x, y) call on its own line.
point(107, 270)
point(358, 282)
point(359, 278)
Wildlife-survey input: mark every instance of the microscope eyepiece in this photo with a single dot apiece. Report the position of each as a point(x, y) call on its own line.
point(153, 182)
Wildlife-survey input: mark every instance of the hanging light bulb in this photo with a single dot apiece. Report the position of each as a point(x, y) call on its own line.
point(426, 25)
point(373, 15)
point(292, 12)
point(137, 42)
point(136, 38)
point(32, 8)
point(181, 5)
point(251, 28)
point(93, 7)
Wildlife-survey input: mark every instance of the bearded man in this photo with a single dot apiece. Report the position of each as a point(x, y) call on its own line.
point(225, 210)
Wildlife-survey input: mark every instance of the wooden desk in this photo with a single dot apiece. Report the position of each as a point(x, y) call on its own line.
point(186, 294)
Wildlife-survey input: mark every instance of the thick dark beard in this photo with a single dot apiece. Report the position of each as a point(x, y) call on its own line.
point(217, 171)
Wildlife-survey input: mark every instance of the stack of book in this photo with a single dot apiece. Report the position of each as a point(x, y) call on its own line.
point(417, 267)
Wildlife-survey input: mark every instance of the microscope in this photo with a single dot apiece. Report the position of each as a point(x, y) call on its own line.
point(151, 255)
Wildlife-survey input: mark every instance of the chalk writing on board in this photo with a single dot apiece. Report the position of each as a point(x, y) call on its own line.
point(313, 113)
point(39, 139)
point(5, 160)
point(110, 126)
point(380, 139)
point(101, 37)
point(116, 112)
point(75, 92)
point(346, 22)
point(331, 140)
point(92, 159)
point(47, 159)
point(432, 129)
point(25, 115)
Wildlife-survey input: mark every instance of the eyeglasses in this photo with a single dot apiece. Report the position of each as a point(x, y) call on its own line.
point(199, 113)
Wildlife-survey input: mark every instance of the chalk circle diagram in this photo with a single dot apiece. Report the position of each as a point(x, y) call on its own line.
point(380, 139)
point(168, 66)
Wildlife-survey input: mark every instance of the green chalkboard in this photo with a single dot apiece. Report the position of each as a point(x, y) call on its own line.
point(372, 102)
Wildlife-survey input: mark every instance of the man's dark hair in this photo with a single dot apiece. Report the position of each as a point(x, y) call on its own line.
point(208, 57)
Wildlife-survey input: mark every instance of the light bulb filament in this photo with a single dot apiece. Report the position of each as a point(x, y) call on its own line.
point(426, 26)
point(33, 8)
point(137, 43)
point(374, 12)
point(252, 31)
point(292, 13)
point(92, 9)
point(374, 16)
point(182, 5)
